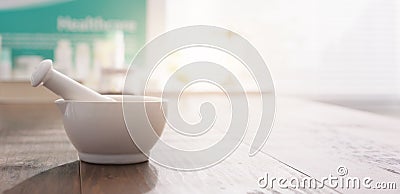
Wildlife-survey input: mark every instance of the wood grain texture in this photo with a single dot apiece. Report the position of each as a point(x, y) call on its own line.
point(61, 179)
point(309, 139)
point(237, 174)
point(32, 141)
point(135, 178)
point(327, 136)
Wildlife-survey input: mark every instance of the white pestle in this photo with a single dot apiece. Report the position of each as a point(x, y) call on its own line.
point(62, 85)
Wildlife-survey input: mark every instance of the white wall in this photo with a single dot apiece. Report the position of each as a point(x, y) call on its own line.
point(336, 48)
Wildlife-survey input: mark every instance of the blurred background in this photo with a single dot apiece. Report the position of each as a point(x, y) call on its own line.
point(340, 52)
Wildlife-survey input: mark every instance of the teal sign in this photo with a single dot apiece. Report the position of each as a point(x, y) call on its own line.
point(37, 27)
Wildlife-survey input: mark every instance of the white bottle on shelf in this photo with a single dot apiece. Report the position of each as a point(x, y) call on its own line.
point(82, 61)
point(63, 57)
point(5, 64)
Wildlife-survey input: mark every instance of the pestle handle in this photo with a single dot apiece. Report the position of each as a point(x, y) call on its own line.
point(62, 85)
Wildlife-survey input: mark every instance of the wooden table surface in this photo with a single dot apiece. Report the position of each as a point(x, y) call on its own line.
point(309, 139)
